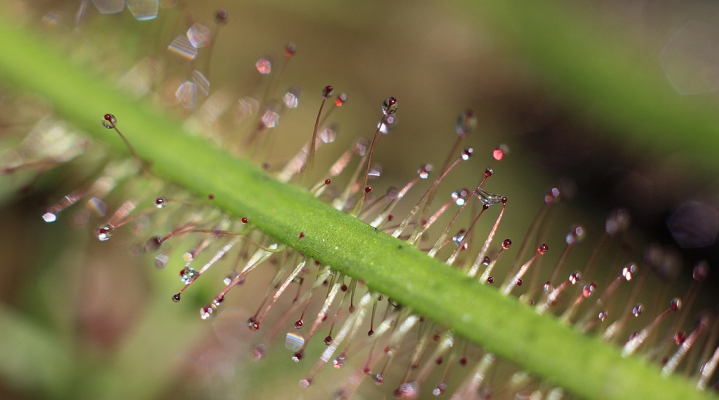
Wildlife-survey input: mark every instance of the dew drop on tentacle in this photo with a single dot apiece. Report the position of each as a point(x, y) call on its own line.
point(186, 94)
point(424, 171)
point(489, 199)
point(199, 36)
point(105, 232)
point(109, 121)
point(552, 196)
point(389, 106)
point(328, 133)
point(221, 16)
point(637, 309)
point(467, 153)
point(501, 151)
point(49, 217)
point(340, 100)
point(206, 312)
point(289, 50)
point(259, 351)
point(575, 235)
point(387, 124)
point(264, 65)
point(466, 123)
point(161, 261)
point(292, 97)
point(160, 202)
point(187, 274)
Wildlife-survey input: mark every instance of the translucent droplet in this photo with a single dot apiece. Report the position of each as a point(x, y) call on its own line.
point(466, 123)
point(271, 115)
point(327, 92)
point(460, 197)
point(199, 36)
point(501, 151)
point(680, 337)
point(588, 290)
point(489, 199)
point(264, 66)
point(206, 312)
point(439, 389)
point(339, 361)
point(290, 50)
point(259, 351)
point(575, 235)
point(387, 124)
point(292, 97)
point(182, 47)
point(360, 147)
point(161, 202)
point(230, 277)
point(104, 232)
point(329, 134)
point(375, 172)
point(458, 238)
point(637, 310)
point(161, 260)
point(628, 271)
point(467, 153)
point(506, 244)
point(389, 106)
point(109, 121)
point(542, 248)
point(186, 94)
point(143, 10)
point(574, 277)
point(305, 383)
point(407, 390)
point(675, 304)
point(49, 217)
point(552, 196)
point(424, 171)
point(602, 315)
point(341, 100)
point(187, 275)
point(201, 82)
point(109, 6)
point(700, 271)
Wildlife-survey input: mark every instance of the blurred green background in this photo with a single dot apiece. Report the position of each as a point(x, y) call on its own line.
point(578, 90)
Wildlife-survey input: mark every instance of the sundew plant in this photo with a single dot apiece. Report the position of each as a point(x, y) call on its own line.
point(223, 141)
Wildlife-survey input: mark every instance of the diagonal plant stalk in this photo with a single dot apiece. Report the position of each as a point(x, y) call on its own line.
point(583, 365)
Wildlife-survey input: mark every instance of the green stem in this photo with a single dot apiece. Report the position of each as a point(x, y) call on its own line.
point(583, 365)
